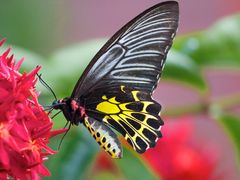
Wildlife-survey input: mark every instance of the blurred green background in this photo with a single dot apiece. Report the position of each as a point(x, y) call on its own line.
point(199, 90)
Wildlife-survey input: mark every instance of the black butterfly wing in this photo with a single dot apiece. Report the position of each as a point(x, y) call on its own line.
point(135, 55)
point(131, 112)
point(116, 86)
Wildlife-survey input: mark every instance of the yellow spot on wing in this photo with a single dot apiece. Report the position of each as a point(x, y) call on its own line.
point(134, 93)
point(108, 108)
point(113, 100)
point(145, 105)
point(104, 97)
point(122, 88)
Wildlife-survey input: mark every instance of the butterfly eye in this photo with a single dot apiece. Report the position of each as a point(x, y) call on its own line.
point(55, 102)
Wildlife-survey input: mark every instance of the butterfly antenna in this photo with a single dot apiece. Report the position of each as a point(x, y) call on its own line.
point(64, 134)
point(48, 108)
point(46, 85)
point(56, 115)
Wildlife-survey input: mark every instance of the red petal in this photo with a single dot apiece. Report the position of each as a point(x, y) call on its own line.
point(56, 132)
point(4, 55)
point(4, 156)
point(2, 41)
point(27, 127)
point(19, 64)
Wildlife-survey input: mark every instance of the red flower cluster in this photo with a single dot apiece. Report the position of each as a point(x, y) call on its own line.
point(176, 156)
point(25, 127)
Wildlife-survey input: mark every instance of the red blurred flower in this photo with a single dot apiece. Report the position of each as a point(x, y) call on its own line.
point(25, 128)
point(177, 156)
point(104, 163)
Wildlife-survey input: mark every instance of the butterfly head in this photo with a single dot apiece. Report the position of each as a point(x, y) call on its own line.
point(59, 104)
point(71, 109)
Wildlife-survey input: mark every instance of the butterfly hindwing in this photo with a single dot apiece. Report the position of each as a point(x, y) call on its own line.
point(104, 136)
point(131, 112)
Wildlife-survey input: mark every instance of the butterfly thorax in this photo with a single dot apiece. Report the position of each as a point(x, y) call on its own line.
point(71, 108)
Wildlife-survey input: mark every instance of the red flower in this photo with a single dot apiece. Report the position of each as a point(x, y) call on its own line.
point(104, 163)
point(177, 156)
point(25, 128)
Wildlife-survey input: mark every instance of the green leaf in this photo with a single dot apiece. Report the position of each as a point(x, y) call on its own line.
point(105, 175)
point(182, 68)
point(217, 46)
point(133, 167)
point(76, 155)
point(231, 124)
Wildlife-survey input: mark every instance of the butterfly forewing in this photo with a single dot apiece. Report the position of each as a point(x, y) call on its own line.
point(135, 55)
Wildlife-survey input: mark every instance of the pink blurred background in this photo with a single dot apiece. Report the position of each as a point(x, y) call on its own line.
point(74, 21)
point(91, 19)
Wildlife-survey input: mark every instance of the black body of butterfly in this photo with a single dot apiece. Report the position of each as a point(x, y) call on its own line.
point(115, 90)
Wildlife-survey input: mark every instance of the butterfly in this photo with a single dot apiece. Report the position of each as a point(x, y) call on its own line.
point(115, 90)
